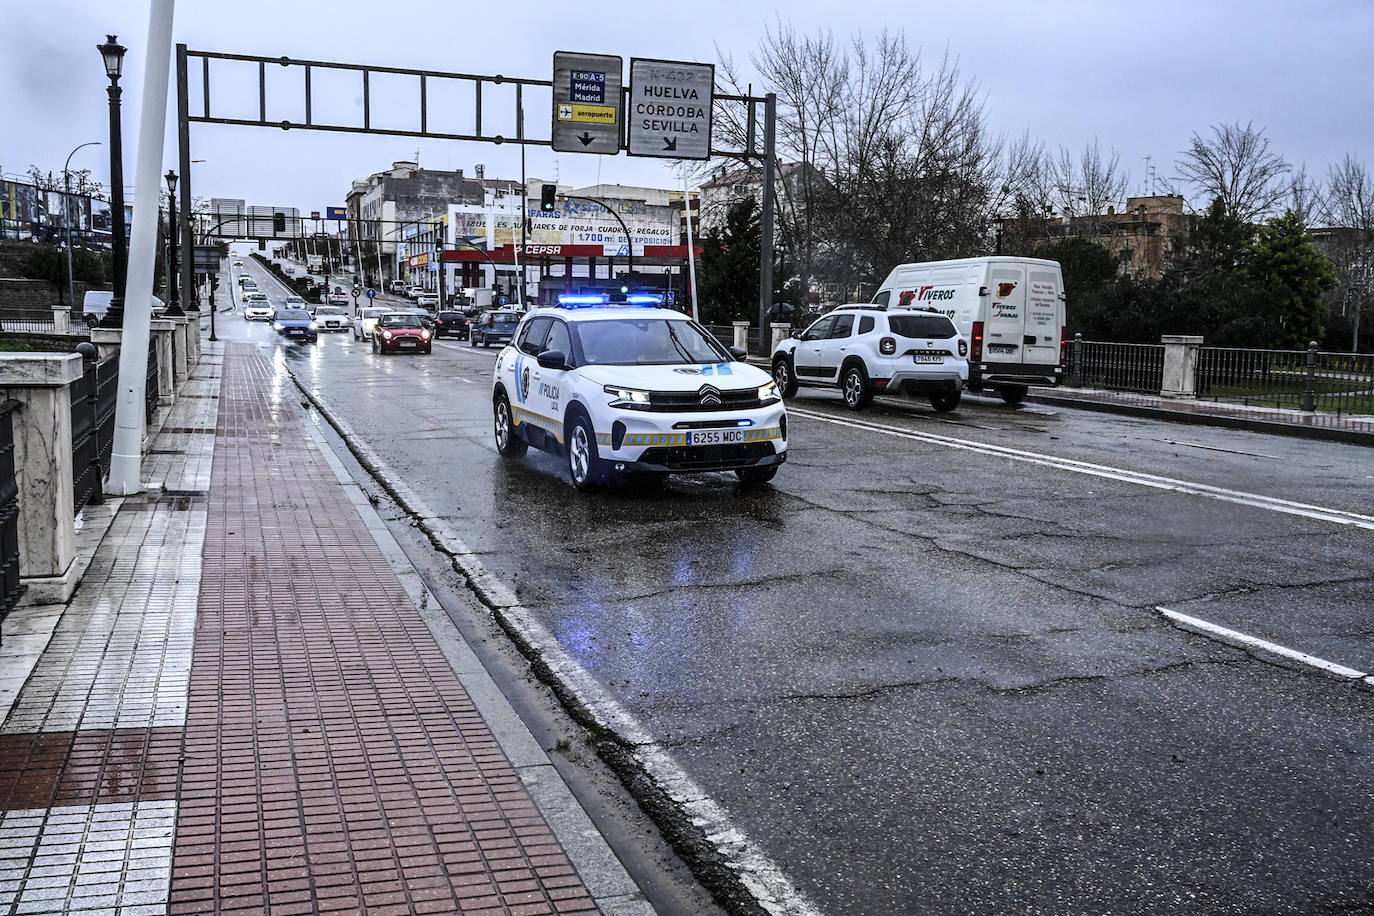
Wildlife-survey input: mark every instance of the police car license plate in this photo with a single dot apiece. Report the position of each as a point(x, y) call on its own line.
point(715, 436)
point(407, 343)
point(928, 358)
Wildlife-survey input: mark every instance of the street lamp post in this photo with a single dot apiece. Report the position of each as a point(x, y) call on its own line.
point(439, 253)
point(112, 52)
point(67, 218)
point(173, 305)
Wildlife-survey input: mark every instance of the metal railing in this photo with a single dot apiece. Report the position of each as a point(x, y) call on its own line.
point(1117, 366)
point(725, 333)
point(10, 588)
point(1292, 379)
point(94, 397)
point(150, 383)
point(26, 321)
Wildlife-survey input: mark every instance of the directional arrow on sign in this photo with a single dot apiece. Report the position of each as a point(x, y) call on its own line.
point(669, 144)
point(586, 138)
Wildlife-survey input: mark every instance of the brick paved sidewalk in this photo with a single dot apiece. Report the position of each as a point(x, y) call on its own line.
point(242, 709)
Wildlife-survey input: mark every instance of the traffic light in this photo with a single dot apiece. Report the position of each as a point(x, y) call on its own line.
point(278, 222)
point(546, 194)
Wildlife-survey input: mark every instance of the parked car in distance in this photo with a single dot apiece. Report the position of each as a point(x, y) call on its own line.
point(96, 303)
point(365, 321)
point(451, 324)
point(288, 270)
point(331, 318)
point(427, 300)
point(396, 286)
point(400, 331)
point(412, 291)
point(294, 324)
point(494, 326)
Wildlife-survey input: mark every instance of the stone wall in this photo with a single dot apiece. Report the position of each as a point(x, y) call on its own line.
point(38, 295)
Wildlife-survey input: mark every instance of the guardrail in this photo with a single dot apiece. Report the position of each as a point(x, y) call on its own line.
point(27, 321)
point(1294, 379)
point(1116, 366)
point(11, 590)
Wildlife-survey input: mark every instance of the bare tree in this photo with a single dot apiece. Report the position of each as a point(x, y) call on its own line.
point(885, 159)
point(1236, 166)
point(1083, 188)
point(1305, 195)
point(1350, 212)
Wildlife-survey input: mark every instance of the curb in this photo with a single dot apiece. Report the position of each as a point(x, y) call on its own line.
point(1297, 430)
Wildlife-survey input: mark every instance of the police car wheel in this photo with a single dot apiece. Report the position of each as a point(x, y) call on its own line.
point(783, 377)
point(753, 476)
point(583, 464)
point(508, 441)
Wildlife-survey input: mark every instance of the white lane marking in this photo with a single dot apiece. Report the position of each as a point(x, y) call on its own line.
point(466, 381)
point(473, 350)
point(770, 886)
point(1236, 637)
point(1254, 500)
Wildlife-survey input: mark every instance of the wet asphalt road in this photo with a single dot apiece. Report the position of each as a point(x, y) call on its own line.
point(928, 679)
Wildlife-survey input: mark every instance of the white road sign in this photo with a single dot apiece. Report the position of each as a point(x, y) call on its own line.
point(669, 110)
point(586, 102)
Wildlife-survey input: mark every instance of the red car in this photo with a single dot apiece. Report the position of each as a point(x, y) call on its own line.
point(400, 331)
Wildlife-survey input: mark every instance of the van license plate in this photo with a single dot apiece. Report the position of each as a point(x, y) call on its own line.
point(715, 436)
point(928, 358)
point(1001, 348)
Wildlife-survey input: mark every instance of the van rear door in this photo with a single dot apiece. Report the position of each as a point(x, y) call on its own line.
point(1005, 331)
point(1044, 316)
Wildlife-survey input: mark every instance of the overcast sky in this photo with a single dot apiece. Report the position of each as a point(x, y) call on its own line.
point(1140, 78)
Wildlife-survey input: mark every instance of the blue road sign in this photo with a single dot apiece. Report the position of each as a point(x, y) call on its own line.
point(371, 293)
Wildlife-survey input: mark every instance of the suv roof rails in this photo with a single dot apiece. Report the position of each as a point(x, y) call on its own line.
point(872, 306)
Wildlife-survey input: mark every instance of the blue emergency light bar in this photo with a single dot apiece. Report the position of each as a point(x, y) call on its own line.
point(644, 299)
point(576, 299)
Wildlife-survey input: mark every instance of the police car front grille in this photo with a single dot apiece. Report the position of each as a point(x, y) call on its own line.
point(694, 401)
point(707, 457)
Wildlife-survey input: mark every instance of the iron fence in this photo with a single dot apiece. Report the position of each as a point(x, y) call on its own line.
point(150, 383)
point(1293, 379)
point(26, 321)
point(85, 467)
point(1117, 366)
point(725, 333)
point(10, 588)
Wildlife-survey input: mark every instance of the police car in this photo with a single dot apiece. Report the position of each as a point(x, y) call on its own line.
point(621, 389)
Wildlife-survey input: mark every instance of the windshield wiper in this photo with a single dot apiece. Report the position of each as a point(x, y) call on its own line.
point(677, 344)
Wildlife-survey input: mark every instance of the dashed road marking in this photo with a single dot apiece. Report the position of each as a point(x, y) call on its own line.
point(1246, 641)
point(1239, 497)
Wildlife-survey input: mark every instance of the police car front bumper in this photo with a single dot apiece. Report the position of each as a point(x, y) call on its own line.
point(694, 442)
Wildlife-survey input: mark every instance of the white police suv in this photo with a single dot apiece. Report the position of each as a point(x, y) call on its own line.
point(625, 389)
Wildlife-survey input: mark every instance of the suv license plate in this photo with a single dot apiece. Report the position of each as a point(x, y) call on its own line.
point(715, 436)
point(928, 358)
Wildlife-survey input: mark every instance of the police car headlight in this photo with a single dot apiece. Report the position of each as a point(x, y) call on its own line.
point(768, 393)
point(628, 398)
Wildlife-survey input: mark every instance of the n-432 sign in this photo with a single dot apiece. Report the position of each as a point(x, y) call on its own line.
point(668, 113)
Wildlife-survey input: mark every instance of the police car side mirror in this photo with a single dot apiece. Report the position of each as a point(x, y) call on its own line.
point(739, 353)
point(553, 359)
point(797, 334)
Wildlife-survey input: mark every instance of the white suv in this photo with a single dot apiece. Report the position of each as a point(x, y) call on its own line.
point(866, 349)
point(621, 389)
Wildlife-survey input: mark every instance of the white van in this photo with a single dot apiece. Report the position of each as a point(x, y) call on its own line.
point(1011, 310)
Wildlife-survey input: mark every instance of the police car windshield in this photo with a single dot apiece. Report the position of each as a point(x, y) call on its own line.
point(646, 342)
